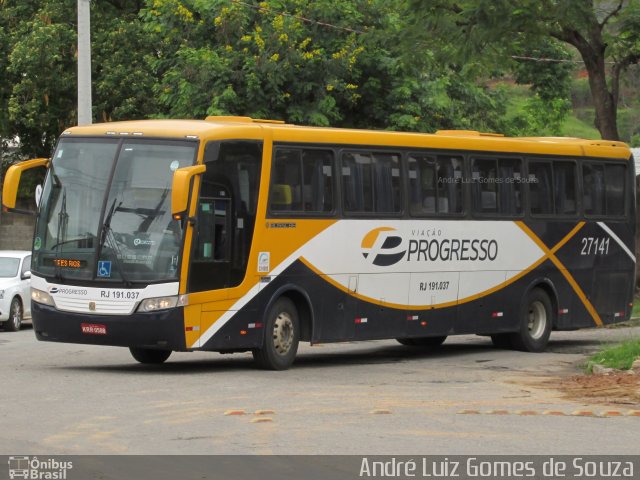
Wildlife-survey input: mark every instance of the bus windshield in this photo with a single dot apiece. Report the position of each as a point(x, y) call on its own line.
point(105, 212)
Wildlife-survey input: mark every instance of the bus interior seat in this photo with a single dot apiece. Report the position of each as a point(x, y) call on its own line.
point(429, 204)
point(443, 204)
point(568, 206)
point(281, 197)
point(488, 201)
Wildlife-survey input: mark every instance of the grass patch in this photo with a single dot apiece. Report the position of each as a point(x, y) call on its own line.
point(574, 127)
point(619, 356)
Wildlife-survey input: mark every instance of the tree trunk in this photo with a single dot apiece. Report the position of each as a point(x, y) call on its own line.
point(592, 50)
point(606, 120)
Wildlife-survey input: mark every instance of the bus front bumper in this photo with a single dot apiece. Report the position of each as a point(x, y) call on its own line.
point(162, 330)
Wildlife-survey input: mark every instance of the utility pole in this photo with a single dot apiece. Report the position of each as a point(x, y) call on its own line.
point(84, 63)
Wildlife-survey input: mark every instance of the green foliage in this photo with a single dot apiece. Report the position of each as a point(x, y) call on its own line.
point(540, 117)
point(549, 80)
point(386, 64)
point(38, 50)
point(602, 33)
point(618, 356)
point(574, 127)
point(225, 58)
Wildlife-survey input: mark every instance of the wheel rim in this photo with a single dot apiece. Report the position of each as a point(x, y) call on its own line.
point(16, 314)
point(283, 333)
point(537, 321)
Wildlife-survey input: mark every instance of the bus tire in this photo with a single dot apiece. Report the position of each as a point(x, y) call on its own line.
point(281, 337)
point(149, 355)
point(536, 318)
point(14, 321)
point(422, 341)
point(501, 340)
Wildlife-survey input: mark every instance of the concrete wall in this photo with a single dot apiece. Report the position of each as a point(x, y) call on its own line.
point(16, 231)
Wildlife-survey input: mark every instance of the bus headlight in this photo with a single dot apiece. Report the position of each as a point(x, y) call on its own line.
point(162, 303)
point(42, 297)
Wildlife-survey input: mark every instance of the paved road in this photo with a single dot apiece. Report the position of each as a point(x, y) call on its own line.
point(67, 399)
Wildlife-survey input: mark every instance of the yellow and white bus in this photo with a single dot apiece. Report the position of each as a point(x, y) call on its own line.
point(233, 234)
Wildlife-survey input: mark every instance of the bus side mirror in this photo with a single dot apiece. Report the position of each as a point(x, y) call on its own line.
point(12, 180)
point(180, 187)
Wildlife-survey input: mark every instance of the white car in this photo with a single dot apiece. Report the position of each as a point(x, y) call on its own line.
point(15, 288)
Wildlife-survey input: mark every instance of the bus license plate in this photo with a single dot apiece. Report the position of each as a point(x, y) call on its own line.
point(93, 329)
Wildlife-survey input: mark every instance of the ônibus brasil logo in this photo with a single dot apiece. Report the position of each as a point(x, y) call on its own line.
point(382, 247)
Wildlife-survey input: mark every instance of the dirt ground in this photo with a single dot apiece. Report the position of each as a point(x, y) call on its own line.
point(615, 388)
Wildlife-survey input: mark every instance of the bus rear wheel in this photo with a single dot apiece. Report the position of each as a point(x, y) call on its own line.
point(422, 341)
point(149, 355)
point(281, 338)
point(536, 318)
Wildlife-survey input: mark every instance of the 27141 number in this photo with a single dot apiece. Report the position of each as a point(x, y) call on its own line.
point(595, 246)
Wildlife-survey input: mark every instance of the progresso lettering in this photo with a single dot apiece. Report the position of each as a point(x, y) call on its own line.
point(452, 249)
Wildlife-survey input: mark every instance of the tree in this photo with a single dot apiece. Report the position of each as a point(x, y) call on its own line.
point(606, 34)
point(38, 49)
point(320, 63)
point(545, 112)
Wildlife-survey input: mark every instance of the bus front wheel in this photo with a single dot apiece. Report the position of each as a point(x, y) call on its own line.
point(536, 318)
point(149, 355)
point(281, 338)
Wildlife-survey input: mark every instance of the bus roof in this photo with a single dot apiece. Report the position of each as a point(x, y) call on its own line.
point(246, 127)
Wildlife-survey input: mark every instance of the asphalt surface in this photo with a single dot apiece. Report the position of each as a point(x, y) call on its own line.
point(353, 398)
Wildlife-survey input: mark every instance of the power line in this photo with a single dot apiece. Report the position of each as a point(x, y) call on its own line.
point(297, 17)
point(551, 60)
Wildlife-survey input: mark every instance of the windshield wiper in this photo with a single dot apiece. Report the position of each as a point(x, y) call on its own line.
point(106, 225)
point(61, 231)
point(108, 231)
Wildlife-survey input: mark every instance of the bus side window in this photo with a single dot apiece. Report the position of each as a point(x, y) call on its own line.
point(540, 188)
point(593, 188)
point(388, 196)
point(564, 174)
point(510, 187)
point(356, 182)
point(317, 167)
point(371, 182)
point(286, 190)
point(485, 186)
point(422, 184)
point(615, 186)
point(449, 185)
point(302, 181)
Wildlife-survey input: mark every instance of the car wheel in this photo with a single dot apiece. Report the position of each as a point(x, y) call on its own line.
point(282, 335)
point(149, 355)
point(15, 316)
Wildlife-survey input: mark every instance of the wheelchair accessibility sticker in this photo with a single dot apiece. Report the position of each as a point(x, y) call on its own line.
point(104, 268)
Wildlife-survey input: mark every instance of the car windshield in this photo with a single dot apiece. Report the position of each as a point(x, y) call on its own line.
point(106, 211)
point(9, 267)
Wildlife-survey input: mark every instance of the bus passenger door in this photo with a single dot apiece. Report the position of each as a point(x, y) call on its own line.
point(211, 255)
